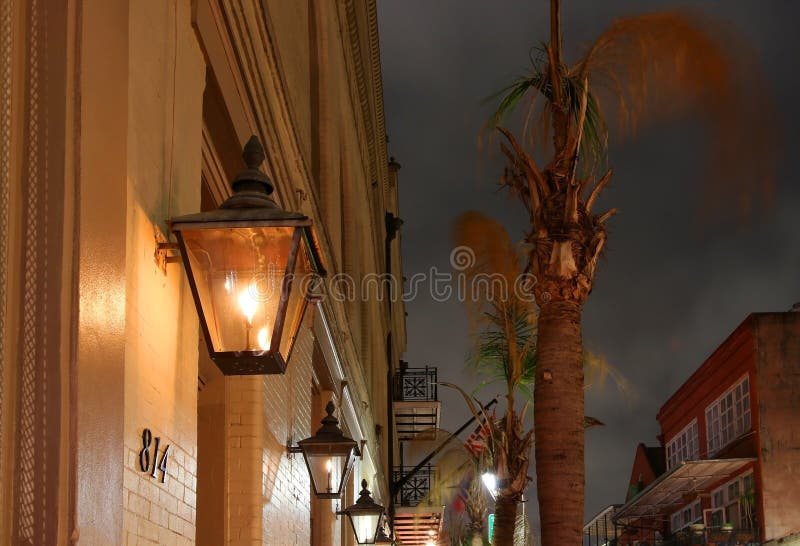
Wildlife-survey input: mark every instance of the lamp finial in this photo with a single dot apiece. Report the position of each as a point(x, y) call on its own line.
point(253, 153)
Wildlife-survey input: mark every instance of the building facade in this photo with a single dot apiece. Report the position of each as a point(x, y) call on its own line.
point(117, 116)
point(730, 447)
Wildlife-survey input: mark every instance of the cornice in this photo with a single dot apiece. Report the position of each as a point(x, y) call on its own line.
point(366, 95)
point(382, 166)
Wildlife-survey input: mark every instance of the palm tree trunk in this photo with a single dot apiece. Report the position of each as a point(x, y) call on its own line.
point(558, 423)
point(505, 519)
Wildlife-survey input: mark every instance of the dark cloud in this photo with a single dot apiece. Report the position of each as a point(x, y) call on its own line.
point(671, 287)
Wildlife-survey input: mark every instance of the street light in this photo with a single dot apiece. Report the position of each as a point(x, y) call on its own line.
point(248, 264)
point(365, 516)
point(329, 456)
point(490, 481)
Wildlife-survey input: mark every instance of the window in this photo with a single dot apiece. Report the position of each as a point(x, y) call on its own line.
point(683, 447)
point(729, 416)
point(734, 503)
point(686, 516)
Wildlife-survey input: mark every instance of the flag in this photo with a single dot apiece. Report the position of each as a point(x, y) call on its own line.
point(476, 441)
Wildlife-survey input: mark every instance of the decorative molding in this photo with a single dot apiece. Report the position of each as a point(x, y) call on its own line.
point(38, 403)
point(366, 97)
point(382, 164)
point(7, 35)
point(213, 171)
point(28, 501)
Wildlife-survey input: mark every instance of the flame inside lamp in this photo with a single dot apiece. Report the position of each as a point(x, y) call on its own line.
point(248, 305)
point(263, 339)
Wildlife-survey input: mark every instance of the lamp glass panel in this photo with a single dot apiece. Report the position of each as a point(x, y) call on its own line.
point(238, 274)
point(365, 527)
point(296, 302)
point(328, 469)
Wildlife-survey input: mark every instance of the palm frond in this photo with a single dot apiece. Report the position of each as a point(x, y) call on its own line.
point(504, 322)
point(656, 66)
point(512, 95)
point(597, 370)
point(652, 67)
point(593, 153)
point(493, 355)
point(594, 144)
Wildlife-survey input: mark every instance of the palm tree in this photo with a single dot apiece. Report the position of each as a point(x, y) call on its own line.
point(506, 352)
point(672, 53)
point(504, 319)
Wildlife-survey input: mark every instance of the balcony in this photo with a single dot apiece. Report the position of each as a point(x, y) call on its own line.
point(417, 489)
point(418, 510)
point(415, 401)
point(713, 537)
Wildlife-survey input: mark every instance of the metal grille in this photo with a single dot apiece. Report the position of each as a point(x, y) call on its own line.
point(415, 489)
point(416, 384)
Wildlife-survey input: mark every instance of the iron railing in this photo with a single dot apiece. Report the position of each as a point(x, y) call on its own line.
point(415, 384)
point(715, 536)
point(417, 488)
point(712, 536)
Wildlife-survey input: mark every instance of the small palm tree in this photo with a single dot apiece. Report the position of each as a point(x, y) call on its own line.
point(506, 352)
point(477, 507)
point(635, 62)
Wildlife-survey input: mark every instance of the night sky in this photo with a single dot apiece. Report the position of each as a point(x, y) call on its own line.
point(670, 288)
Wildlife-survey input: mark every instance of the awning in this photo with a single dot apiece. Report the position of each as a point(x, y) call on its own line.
point(678, 487)
point(602, 525)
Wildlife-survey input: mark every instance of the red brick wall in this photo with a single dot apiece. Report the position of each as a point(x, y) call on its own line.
point(778, 368)
point(641, 468)
point(766, 347)
point(725, 367)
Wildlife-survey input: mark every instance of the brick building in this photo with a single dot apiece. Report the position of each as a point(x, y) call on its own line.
point(729, 439)
point(116, 116)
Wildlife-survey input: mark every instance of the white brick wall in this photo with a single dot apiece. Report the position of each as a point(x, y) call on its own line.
point(263, 413)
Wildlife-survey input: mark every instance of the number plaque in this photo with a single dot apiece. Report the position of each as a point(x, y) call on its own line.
point(145, 459)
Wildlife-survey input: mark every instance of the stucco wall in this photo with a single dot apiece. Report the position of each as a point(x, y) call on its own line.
point(778, 364)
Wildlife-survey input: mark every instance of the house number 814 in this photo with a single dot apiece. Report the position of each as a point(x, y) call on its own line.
point(145, 459)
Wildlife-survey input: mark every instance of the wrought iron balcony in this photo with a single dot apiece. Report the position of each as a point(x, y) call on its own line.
point(415, 384)
point(415, 403)
point(417, 489)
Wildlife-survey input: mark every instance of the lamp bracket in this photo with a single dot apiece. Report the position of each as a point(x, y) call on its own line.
point(165, 253)
point(291, 449)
